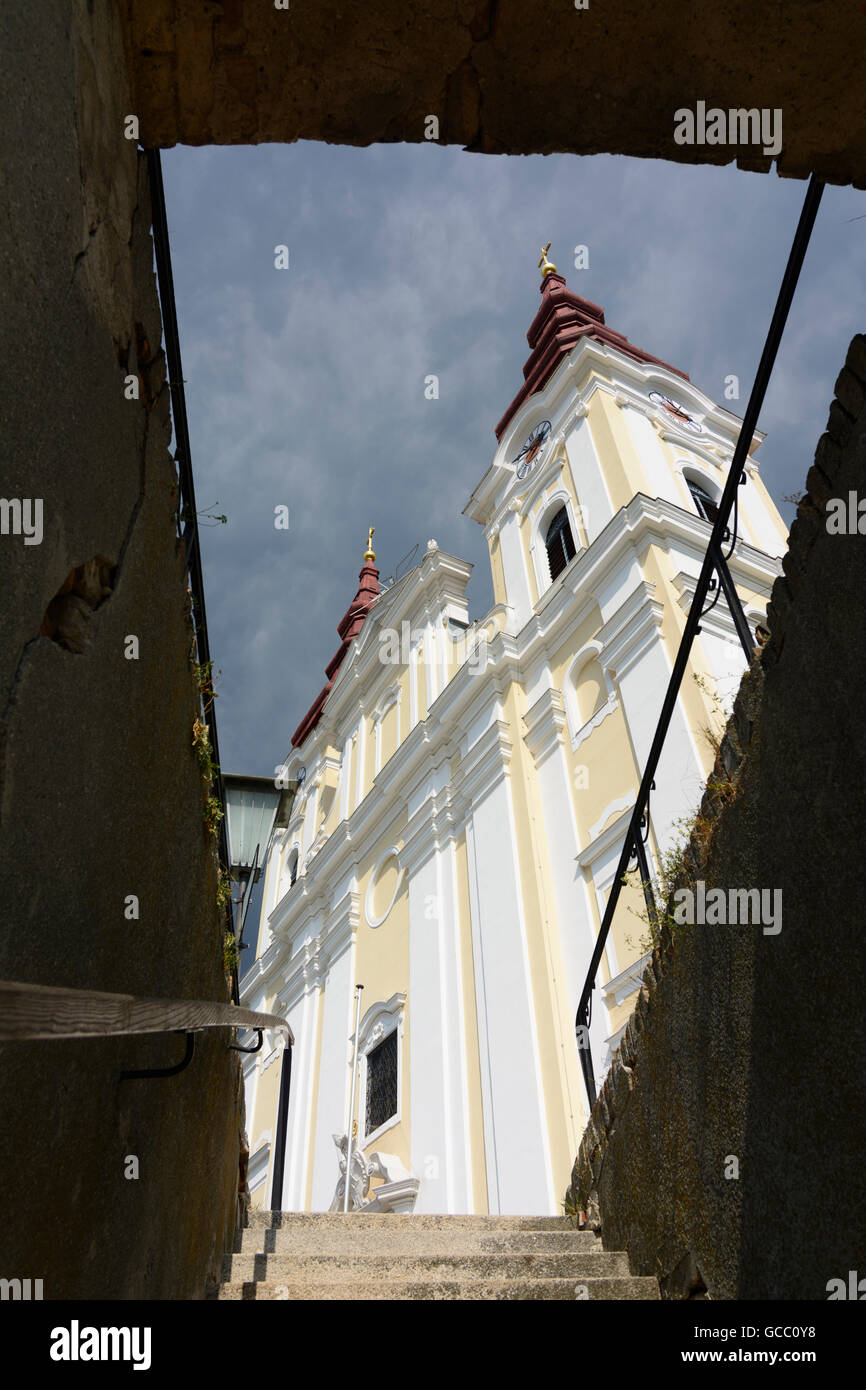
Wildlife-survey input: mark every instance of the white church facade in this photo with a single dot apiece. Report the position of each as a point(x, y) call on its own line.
point(468, 784)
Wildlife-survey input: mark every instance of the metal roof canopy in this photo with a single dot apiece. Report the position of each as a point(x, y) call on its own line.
point(254, 806)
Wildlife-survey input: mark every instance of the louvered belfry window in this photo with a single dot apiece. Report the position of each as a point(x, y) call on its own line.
point(382, 1082)
point(704, 503)
point(559, 543)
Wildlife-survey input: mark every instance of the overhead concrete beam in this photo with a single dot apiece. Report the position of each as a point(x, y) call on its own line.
point(504, 76)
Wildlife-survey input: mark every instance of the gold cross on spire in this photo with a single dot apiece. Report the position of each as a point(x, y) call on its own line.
point(545, 266)
point(369, 553)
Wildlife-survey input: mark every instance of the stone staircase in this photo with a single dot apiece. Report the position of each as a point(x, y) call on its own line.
point(288, 1255)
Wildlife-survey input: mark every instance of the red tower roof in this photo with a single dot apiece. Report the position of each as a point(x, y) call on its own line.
point(562, 320)
point(348, 627)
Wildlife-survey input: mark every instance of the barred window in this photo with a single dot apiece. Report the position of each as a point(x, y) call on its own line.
point(382, 1082)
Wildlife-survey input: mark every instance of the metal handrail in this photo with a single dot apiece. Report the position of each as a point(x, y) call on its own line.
point(633, 838)
point(30, 1011)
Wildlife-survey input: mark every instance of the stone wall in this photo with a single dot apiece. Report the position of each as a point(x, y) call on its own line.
point(501, 76)
point(748, 1045)
point(100, 792)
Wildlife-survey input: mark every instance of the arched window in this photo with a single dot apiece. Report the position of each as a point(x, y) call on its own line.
point(559, 543)
point(704, 503)
point(290, 872)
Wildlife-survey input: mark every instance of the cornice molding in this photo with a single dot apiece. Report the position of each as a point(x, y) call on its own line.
point(599, 844)
point(486, 764)
point(627, 982)
point(545, 722)
point(433, 825)
point(718, 621)
point(390, 1011)
point(621, 803)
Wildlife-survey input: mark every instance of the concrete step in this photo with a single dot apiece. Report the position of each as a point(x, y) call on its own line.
point(468, 1290)
point(303, 1256)
point(417, 1268)
point(359, 1220)
point(388, 1239)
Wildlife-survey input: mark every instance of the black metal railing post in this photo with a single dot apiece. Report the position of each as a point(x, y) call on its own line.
point(282, 1130)
point(747, 641)
point(646, 880)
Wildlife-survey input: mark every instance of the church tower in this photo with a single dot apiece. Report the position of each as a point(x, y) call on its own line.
point(468, 785)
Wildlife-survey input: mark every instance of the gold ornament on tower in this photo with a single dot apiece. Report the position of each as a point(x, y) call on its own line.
point(369, 553)
point(546, 267)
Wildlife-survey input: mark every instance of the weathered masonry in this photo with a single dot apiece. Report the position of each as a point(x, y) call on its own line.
point(503, 77)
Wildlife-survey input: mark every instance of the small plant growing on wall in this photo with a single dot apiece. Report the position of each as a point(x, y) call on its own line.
point(711, 734)
point(205, 680)
point(203, 751)
point(571, 1209)
point(675, 866)
point(224, 890)
point(231, 954)
point(213, 811)
point(670, 873)
point(212, 815)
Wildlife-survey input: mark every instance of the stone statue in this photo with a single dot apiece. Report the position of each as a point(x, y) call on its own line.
point(359, 1177)
point(397, 1193)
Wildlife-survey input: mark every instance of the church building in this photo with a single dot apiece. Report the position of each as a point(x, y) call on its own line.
point(465, 787)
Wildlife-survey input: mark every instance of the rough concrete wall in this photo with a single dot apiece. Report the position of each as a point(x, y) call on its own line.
point(100, 795)
point(501, 76)
point(749, 1044)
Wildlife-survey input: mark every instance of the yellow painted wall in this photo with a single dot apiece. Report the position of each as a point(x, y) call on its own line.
point(499, 591)
point(388, 746)
point(263, 1120)
point(602, 770)
point(615, 449)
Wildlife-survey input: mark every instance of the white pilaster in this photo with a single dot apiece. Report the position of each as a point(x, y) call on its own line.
point(440, 1132)
point(519, 1176)
point(335, 1070)
point(303, 1014)
point(514, 568)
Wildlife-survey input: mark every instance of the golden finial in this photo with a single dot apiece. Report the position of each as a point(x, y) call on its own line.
point(369, 553)
point(545, 266)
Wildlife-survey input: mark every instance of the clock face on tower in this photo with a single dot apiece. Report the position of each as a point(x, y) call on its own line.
point(532, 450)
point(676, 412)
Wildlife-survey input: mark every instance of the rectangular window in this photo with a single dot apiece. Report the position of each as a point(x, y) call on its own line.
point(382, 1082)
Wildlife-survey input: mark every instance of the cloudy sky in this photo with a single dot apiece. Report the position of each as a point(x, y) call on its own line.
point(305, 386)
